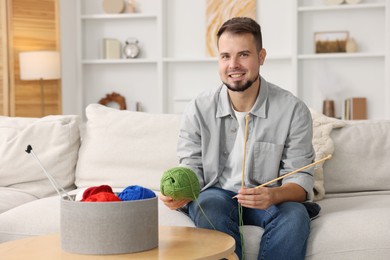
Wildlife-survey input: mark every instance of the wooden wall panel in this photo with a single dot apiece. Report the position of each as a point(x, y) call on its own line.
point(33, 26)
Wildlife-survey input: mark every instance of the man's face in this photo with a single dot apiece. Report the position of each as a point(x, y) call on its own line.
point(239, 62)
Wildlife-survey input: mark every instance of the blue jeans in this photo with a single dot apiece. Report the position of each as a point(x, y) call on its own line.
point(286, 226)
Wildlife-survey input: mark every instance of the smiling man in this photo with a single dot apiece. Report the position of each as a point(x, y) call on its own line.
point(242, 134)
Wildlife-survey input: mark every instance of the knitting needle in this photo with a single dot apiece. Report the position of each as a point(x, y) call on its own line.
point(293, 172)
point(245, 141)
point(53, 182)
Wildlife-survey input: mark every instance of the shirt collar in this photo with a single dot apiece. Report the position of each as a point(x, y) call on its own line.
point(259, 109)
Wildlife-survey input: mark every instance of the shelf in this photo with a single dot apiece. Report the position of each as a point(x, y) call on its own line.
point(183, 60)
point(340, 56)
point(120, 61)
point(182, 99)
point(340, 7)
point(339, 76)
point(278, 57)
point(215, 59)
point(117, 16)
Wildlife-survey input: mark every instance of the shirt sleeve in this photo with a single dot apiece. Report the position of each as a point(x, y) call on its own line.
point(189, 147)
point(298, 151)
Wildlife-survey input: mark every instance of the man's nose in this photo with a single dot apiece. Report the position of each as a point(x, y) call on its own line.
point(234, 63)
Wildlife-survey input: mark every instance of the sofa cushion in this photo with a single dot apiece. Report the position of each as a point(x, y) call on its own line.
point(323, 146)
point(55, 141)
point(38, 217)
point(11, 198)
point(44, 218)
point(122, 148)
point(361, 158)
point(351, 227)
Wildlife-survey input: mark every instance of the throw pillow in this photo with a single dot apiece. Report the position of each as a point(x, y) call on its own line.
point(55, 141)
point(362, 162)
point(323, 146)
point(122, 148)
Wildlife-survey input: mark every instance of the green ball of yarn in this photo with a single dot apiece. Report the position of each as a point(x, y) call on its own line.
point(180, 183)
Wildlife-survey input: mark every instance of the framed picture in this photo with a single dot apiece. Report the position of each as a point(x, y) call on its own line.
point(326, 42)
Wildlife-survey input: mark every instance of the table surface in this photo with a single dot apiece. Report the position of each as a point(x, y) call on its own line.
point(174, 243)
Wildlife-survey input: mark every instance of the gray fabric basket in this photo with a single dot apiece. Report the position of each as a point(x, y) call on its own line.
point(109, 227)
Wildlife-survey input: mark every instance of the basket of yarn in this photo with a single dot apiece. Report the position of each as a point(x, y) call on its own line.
point(180, 183)
point(103, 222)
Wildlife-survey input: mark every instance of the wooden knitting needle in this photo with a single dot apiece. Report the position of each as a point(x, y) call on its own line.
point(293, 172)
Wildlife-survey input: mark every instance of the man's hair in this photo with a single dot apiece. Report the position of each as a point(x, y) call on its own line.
point(241, 25)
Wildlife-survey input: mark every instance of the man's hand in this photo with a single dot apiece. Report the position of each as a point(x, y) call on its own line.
point(263, 197)
point(258, 198)
point(173, 204)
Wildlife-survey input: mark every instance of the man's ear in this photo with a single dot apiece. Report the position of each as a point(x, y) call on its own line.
point(262, 55)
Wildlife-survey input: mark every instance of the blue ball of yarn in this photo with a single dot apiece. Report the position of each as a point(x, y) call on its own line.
point(136, 192)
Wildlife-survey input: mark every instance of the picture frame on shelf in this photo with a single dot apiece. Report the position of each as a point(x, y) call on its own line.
point(330, 41)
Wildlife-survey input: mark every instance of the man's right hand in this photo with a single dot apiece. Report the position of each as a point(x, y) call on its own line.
point(173, 204)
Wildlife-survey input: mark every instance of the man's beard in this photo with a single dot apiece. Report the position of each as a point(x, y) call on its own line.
point(242, 88)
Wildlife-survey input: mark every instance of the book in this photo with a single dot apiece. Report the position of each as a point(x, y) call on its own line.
point(358, 108)
point(111, 49)
point(355, 108)
point(347, 112)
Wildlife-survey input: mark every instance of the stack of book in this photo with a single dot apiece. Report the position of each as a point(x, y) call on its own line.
point(355, 108)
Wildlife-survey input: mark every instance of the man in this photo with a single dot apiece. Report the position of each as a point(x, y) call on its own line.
point(273, 127)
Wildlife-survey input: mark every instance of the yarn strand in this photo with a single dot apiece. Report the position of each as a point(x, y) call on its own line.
point(197, 202)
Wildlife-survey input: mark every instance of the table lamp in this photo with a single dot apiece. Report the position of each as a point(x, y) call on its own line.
point(40, 65)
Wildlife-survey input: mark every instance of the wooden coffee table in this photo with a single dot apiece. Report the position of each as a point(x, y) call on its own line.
point(174, 243)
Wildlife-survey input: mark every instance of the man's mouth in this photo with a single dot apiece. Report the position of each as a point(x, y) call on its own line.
point(236, 75)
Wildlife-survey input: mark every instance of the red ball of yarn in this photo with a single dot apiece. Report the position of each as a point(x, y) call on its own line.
point(97, 189)
point(102, 197)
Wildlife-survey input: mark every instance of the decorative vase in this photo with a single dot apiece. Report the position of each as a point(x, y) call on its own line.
point(130, 6)
point(328, 108)
point(351, 45)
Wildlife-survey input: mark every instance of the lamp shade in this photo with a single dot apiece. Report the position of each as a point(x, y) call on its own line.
point(35, 65)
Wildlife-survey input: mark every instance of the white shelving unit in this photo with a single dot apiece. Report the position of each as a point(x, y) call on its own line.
point(173, 66)
point(140, 79)
point(338, 76)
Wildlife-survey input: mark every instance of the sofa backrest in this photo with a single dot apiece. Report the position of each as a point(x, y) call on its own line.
point(360, 160)
point(122, 148)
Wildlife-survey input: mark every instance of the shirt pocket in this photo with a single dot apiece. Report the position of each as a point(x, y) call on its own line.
point(266, 162)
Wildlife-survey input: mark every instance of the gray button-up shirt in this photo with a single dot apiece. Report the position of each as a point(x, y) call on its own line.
point(279, 138)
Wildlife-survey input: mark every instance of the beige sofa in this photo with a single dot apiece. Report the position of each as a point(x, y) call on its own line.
point(122, 148)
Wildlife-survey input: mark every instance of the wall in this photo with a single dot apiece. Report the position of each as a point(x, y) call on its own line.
point(277, 29)
point(68, 21)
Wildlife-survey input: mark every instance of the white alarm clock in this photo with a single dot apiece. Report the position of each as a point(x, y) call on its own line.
point(131, 49)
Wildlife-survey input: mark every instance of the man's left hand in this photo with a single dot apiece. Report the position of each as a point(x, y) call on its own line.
point(258, 198)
